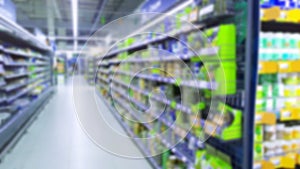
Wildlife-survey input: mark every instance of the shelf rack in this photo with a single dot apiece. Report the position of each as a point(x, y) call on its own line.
point(239, 151)
point(177, 129)
point(266, 117)
point(90, 69)
point(27, 72)
point(131, 134)
point(273, 26)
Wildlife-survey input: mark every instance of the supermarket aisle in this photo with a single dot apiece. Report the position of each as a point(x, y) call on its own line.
point(55, 140)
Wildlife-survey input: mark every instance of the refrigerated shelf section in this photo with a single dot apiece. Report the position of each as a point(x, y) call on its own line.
point(25, 65)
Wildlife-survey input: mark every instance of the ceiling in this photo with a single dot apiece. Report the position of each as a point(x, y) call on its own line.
point(54, 17)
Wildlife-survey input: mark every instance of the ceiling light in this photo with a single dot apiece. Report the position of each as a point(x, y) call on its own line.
point(75, 22)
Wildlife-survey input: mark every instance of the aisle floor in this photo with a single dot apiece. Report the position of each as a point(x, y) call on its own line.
point(55, 140)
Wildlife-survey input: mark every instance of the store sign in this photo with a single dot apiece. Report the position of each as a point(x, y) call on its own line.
point(8, 9)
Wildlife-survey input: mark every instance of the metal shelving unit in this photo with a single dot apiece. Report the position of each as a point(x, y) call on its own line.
point(90, 69)
point(240, 151)
point(250, 82)
point(129, 131)
point(26, 64)
point(276, 115)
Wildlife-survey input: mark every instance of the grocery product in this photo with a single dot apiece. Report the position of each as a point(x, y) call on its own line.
point(277, 89)
point(280, 10)
point(182, 82)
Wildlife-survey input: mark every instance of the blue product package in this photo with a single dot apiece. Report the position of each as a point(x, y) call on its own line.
point(175, 48)
point(150, 35)
point(293, 4)
point(283, 4)
point(155, 67)
point(170, 46)
point(266, 3)
point(162, 88)
point(183, 41)
point(160, 47)
point(196, 67)
point(173, 115)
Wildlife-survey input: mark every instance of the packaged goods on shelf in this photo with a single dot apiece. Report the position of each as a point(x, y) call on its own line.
point(211, 158)
point(224, 38)
point(208, 10)
point(179, 72)
point(90, 69)
point(283, 11)
point(19, 78)
point(276, 138)
point(2, 71)
point(228, 127)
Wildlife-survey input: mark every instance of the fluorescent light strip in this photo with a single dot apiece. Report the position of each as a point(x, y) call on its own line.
point(75, 22)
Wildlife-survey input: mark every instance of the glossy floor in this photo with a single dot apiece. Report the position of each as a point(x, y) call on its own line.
point(56, 141)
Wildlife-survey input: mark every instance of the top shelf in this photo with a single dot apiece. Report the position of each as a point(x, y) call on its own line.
point(197, 25)
point(273, 26)
point(14, 32)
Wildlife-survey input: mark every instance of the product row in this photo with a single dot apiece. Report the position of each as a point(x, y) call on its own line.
point(24, 75)
point(280, 10)
point(182, 80)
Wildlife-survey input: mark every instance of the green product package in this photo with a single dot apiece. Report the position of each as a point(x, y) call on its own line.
point(200, 156)
point(275, 91)
point(223, 37)
point(215, 159)
point(178, 20)
point(173, 104)
point(229, 71)
point(224, 75)
point(186, 14)
point(179, 118)
point(198, 107)
point(231, 133)
point(258, 151)
point(233, 130)
point(260, 104)
point(258, 135)
point(291, 80)
point(178, 81)
point(224, 71)
point(131, 92)
point(31, 68)
point(259, 92)
point(155, 70)
point(165, 158)
point(265, 91)
point(129, 42)
point(218, 163)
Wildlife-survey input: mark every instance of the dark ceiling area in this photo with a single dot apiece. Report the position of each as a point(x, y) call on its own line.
point(54, 17)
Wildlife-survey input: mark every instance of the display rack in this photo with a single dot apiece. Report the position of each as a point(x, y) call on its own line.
point(229, 151)
point(61, 69)
point(25, 78)
point(90, 69)
point(277, 132)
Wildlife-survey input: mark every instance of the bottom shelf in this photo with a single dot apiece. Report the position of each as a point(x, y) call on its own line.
point(225, 152)
point(11, 128)
point(140, 145)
